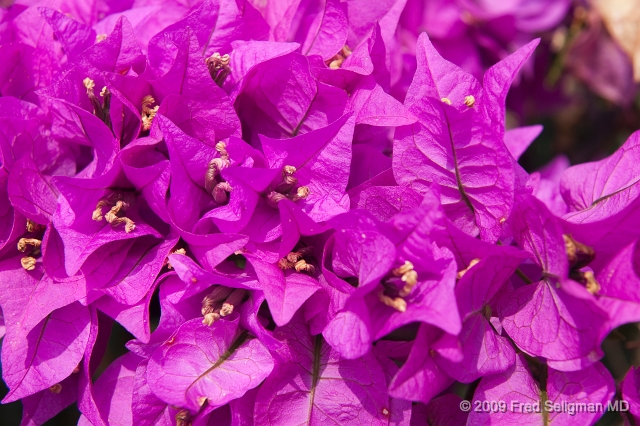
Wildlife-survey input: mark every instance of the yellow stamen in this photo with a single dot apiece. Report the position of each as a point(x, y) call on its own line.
point(24, 242)
point(97, 213)
point(217, 62)
point(336, 61)
point(111, 215)
point(469, 101)
point(301, 193)
point(446, 101)
point(183, 418)
point(406, 267)
point(274, 198)
point(411, 279)
point(471, 265)
point(33, 227)
point(335, 64)
point(592, 285)
point(148, 113)
point(221, 147)
point(89, 85)
point(285, 264)
point(302, 266)
point(218, 294)
point(129, 225)
point(210, 318)
point(397, 303)
point(179, 251)
point(28, 263)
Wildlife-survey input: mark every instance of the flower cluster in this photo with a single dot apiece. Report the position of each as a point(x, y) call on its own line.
point(330, 215)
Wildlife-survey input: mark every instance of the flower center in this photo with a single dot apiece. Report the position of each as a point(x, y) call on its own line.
point(100, 109)
point(469, 101)
point(336, 61)
point(183, 418)
point(579, 256)
point(392, 294)
point(118, 205)
point(286, 188)
point(221, 302)
point(181, 251)
point(471, 265)
point(295, 260)
point(218, 67)
point(216, 186)
point(148, 113)
point(31, 246)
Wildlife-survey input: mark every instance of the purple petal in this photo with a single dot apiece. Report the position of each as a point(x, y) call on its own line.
point(223, 365)
point(47, 354)
point(312, 384)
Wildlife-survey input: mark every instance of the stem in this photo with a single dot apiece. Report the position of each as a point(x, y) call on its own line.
point(544, 396)
point(523, 277)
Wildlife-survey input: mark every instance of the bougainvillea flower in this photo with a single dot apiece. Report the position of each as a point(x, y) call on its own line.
point(266, 98)
point(94, 212)
point(594, 54)
point(396, 283)
point(616, 280)
point(485, 351)
point(44, 405)
point(420, 378)
point(460, 131)
point(114, 390)
point(556, 401)
point(48, 354)
point(313, 383)
point(285, 291)
point(221, 354)
point(569, 309)
point(603, 188)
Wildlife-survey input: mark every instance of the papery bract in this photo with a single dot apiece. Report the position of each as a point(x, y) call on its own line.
point(314, 384)
point(593, 385)
point(47, 354)
point(220, 354)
